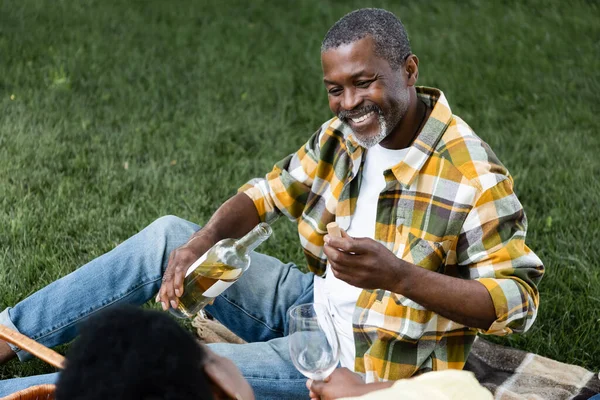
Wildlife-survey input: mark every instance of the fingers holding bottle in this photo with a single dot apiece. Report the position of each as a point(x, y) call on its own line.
point(180, 260)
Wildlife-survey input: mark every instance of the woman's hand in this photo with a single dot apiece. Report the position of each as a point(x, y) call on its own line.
point(341, 383)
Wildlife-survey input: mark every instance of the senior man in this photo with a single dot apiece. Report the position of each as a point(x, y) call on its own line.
point(433, 247)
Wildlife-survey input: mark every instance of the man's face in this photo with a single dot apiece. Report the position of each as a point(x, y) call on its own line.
point(364, 91)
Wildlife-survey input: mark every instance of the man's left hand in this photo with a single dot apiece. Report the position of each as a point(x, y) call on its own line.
point(363, 262)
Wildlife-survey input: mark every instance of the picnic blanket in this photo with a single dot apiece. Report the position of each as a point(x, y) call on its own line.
point(508, 373)
point(515, 374)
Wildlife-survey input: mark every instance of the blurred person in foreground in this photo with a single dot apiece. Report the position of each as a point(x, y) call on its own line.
point(432, 249)
point(127, 353)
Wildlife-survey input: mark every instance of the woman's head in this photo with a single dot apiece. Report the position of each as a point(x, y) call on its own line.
point(130, 353)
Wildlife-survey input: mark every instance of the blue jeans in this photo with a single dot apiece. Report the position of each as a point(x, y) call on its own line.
point(254, 308)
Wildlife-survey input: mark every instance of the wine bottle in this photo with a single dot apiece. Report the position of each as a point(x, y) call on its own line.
point(217, 269)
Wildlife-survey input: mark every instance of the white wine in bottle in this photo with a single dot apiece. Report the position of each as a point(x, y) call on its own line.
point(217, 269)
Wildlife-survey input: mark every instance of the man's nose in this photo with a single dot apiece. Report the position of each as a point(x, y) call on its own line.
point(350, 99)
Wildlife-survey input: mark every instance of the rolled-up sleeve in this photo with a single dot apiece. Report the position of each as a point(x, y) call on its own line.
point(492, 246)
point(286, 188)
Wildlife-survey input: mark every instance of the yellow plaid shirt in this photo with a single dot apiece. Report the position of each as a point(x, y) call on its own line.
point(449, 206)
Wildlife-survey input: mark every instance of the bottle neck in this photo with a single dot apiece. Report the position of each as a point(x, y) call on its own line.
point(254, 238)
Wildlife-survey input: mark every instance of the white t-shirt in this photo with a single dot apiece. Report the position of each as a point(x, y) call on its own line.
point(338, 296)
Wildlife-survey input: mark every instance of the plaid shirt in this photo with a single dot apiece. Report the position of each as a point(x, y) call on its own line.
point(449, 206)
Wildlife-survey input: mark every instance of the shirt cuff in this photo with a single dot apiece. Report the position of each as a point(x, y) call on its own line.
point(507, 296)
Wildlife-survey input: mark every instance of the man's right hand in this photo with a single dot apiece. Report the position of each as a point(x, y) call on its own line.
point(180, 260)
point(236, 217)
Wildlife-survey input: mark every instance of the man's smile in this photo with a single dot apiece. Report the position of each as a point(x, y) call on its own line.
point(362, 118)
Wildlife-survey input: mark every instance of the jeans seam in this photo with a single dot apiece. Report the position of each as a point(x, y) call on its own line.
point(251, 316)
point(79, 317)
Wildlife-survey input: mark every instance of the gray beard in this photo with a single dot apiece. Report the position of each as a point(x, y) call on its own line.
point(385, 126)
point(368, 142)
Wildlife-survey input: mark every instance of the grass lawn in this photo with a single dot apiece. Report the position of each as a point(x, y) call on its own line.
point(115, 113)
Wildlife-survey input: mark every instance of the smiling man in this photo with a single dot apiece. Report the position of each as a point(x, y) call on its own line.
point(432, 248)
point(367, 93)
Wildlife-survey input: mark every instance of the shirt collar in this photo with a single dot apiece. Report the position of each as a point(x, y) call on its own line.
point(422, 147)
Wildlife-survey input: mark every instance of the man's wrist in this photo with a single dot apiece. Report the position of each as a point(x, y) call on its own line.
point(204, 235)
point(403, 276)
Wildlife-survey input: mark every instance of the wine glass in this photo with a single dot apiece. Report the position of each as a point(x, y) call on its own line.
point(314, 344)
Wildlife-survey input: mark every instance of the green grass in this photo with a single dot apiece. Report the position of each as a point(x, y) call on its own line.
point(114, 113)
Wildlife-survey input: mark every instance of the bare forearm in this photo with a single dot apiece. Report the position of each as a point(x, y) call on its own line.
point(366, 263)
point(236, 217)
point(343, 383)
point(371, 387)
point(464, 301)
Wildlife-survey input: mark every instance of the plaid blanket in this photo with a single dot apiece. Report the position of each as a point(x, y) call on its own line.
point(512, 374)
point(508, 373)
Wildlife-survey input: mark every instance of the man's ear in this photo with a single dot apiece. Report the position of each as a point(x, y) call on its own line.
point(411, 68)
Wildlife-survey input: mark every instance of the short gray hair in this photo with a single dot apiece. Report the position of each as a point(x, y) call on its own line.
point(391, 39)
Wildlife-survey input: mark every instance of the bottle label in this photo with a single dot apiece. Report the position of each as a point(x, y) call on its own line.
point(216, 289)
point(196, 264)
